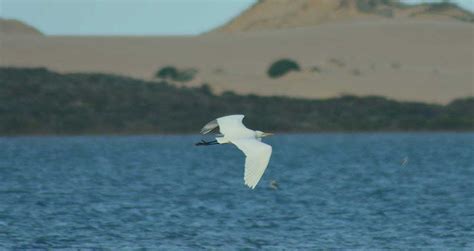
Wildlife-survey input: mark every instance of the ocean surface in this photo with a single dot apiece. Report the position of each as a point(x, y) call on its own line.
point(364, 191)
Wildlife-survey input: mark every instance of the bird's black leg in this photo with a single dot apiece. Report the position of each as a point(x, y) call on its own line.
point(207, 143)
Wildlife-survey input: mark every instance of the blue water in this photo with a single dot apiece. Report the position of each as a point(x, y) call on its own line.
point(161, 192)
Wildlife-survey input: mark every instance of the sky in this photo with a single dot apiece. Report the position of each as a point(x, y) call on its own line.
point(133, 17)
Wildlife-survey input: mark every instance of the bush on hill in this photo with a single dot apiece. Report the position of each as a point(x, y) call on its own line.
point(167, 72)
point(282, 67)
point(174, 74)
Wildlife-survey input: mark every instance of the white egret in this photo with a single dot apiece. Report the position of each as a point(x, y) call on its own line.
point(248, 141)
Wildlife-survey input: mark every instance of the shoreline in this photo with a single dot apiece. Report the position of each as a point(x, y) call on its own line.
point(207, 135)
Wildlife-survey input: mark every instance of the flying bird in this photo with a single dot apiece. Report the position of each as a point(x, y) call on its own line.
point(274, 185)
point(404, 161)
point(233, 131)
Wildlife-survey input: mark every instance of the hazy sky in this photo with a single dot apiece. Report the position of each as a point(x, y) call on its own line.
point(132, 17)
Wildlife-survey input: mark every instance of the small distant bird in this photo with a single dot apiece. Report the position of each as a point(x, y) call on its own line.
point(248, 141)
point(274, 185)
point(404, 161)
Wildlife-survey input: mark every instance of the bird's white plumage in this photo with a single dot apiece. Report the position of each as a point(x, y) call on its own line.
point(233, 128)
point(258, 155)
point(248, 141)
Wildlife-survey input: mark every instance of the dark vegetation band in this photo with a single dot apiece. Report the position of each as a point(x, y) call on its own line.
point(39, 101)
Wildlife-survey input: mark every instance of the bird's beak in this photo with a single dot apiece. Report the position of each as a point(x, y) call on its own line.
point(265, 134)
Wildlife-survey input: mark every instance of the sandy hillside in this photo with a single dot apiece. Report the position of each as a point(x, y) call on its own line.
point(283, 14)
point(15, 27)
point(406, 59)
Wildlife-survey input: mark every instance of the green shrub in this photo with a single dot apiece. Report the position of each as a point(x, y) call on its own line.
point(172, 73)
point(185, 75)
point(167, 72)
point(282, 67)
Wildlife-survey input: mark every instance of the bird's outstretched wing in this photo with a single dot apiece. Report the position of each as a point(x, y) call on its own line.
point(258, 155)
point(209, 127)
point(232, 127)
point(227, 124)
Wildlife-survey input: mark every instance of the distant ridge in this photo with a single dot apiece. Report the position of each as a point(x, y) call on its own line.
point(281, 14)
point(15, 27)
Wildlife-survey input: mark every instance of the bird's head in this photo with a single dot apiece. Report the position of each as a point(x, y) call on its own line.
point(260, 134)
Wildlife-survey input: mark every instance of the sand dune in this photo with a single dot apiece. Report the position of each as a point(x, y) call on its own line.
point(407, 60)
point(284, 14)
point(15, 27)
